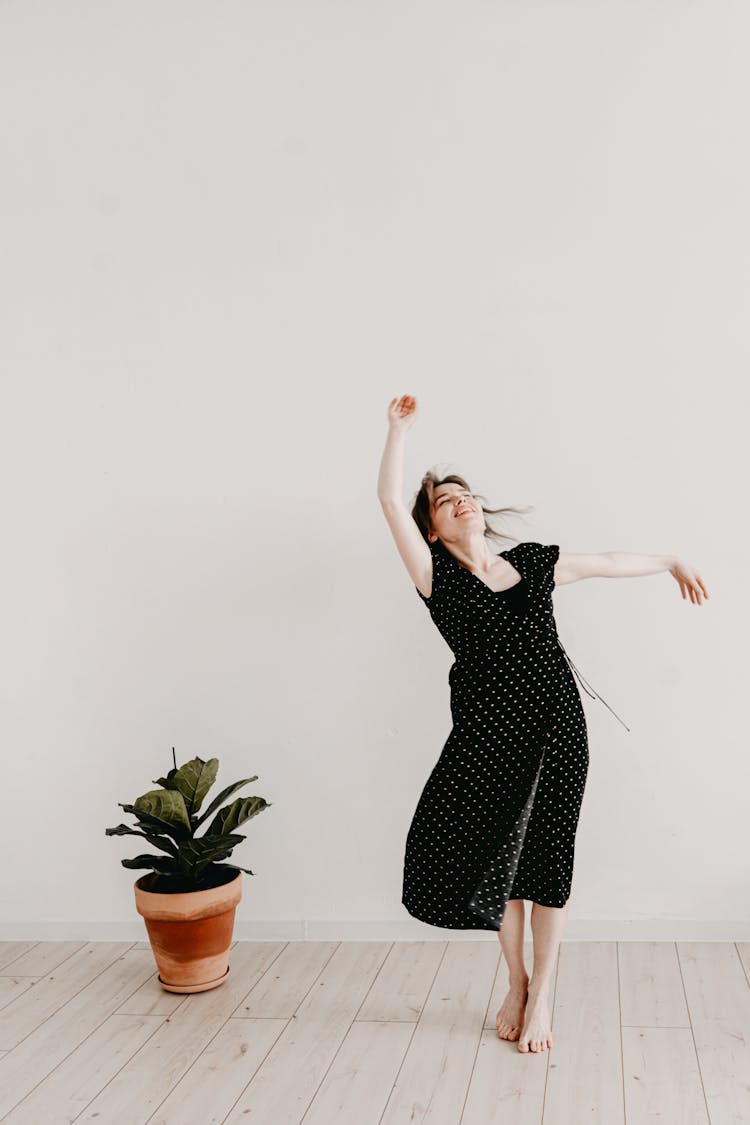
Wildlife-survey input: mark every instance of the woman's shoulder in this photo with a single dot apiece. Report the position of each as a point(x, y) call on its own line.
point(537, 556)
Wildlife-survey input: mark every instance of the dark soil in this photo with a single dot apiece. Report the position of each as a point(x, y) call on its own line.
point(216, 876)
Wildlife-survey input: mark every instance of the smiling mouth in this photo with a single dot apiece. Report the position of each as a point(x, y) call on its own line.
point(465, 512)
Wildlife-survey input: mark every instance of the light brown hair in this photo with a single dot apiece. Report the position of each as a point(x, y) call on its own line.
point(423, 505)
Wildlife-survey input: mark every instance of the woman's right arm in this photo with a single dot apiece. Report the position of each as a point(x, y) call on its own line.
point(412, 548)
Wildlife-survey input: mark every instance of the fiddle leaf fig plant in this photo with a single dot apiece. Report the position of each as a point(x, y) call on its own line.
point(167, 818)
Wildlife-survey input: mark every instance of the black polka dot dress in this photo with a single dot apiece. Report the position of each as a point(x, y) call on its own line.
point(498, 814)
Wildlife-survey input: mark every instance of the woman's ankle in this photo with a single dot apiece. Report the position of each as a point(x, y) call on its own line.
point(537, 988)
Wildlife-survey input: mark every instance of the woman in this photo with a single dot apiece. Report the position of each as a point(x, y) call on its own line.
point(497, 818)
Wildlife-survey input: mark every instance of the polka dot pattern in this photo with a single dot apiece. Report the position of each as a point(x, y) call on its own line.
point(498, 814)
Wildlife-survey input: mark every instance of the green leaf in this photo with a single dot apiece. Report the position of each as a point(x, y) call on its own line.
point(193, 781)
point(209, 843)
point(230, 789)
point(166, 781)
point(195, 855)
point(231, 817)
point(206, 862)
point(166, 804)
point(161, 863)
point(176, 831)
point(236, 868)
point(162, 842)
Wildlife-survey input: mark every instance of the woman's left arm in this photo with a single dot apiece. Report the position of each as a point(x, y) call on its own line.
point(623, 564)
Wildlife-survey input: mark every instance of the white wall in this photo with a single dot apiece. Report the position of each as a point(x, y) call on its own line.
point(231, 233)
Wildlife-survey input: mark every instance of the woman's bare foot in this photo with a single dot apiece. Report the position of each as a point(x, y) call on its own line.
point(537, 1025)
point(510, 1015)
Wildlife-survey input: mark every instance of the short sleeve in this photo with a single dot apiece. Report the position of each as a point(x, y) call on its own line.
point(538, 558)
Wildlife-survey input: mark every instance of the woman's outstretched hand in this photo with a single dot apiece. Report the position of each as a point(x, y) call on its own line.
point(402, 412)
point(690, 582)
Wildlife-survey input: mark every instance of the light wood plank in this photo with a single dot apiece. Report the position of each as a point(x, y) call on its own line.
point(31, 1009)
point(11, 987)
point(10, 950)
point(67, 1091)
point(362, 1074)
point(651, 992)
point(403, 984)
point(585, 1073)
point(44, 958)
point(719, 1005)
point(221, 1072)
point(435, 1075)
point(152, 1000)
point(138, 1090)
point(281, 990)
point(743, 952)
point(505, 1086)
point(281, 1090)
point(54, 1039)
point(383, 1045)
point(662, 1080)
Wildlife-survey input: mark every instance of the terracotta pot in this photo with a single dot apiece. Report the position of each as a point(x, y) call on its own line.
point(190, 933)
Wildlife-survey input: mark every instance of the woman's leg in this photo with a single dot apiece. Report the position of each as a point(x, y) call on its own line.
point(547, 925)
point(510, 1015)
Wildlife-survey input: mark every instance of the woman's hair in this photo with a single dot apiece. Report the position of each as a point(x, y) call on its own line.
point(423, 503)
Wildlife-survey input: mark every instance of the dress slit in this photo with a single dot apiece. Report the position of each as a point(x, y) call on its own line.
point(491, 894)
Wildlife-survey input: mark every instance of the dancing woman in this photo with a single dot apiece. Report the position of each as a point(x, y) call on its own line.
point(496, 821)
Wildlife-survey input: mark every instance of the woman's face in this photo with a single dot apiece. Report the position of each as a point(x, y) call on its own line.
point(454, 511)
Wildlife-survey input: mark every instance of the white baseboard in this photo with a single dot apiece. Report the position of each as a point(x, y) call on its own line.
point(323, 929)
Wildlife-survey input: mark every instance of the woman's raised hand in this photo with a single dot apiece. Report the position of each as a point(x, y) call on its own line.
point(402, 412)
point(690, 582)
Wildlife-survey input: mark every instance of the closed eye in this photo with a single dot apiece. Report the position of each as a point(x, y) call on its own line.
point(442, 498)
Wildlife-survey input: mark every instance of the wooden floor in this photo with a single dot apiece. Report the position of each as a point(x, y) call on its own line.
point(373, 1033)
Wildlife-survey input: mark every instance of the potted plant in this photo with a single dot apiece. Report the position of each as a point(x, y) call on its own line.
point(189, 900)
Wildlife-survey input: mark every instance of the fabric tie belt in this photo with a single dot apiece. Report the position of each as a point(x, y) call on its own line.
point(585, 688)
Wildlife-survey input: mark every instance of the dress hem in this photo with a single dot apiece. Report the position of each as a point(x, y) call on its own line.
point(478, 925)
